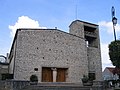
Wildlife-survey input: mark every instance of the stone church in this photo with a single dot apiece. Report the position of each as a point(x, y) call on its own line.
point(57, 56)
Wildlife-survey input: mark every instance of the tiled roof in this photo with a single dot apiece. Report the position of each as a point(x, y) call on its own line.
point(114, 70)
point(111, 69)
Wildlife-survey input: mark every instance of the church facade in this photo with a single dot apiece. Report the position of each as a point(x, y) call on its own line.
point(57, 56)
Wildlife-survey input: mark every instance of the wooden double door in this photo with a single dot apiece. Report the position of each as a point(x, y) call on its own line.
point(47, 74)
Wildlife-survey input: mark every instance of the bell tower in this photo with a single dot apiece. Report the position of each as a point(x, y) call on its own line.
point(90, 33)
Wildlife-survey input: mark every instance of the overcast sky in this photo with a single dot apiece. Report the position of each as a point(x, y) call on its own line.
point(57, 13)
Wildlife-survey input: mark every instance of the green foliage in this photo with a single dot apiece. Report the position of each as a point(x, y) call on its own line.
point(6, 76)
point(33, 78)
point(91, 76)
point(114, 52)
point(85, 79)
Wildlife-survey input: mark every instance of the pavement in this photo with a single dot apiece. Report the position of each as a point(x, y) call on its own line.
point(116, 88)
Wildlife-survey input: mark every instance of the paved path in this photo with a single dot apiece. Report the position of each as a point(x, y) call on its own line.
point(114, 88)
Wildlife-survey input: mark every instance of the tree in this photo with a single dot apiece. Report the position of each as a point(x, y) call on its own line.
point(114, 53)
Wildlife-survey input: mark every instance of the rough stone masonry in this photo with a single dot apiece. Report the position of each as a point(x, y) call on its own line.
point(43, 51)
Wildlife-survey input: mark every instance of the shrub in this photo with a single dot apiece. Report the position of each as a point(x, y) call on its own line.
point(85, 79)
point(33, 78)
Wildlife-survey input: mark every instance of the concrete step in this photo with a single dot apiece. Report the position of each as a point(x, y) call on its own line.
point(56, 86)
point(34, 87)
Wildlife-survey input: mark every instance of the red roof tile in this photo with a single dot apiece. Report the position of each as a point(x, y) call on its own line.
point(111, 69)
point(114, 70)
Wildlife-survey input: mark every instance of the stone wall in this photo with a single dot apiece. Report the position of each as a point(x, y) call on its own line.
point(13, 84)
point(25, 85)
point(50, 48)
point(3, 70)
point(37, 48)
point(94, 60)
point(80, 28)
